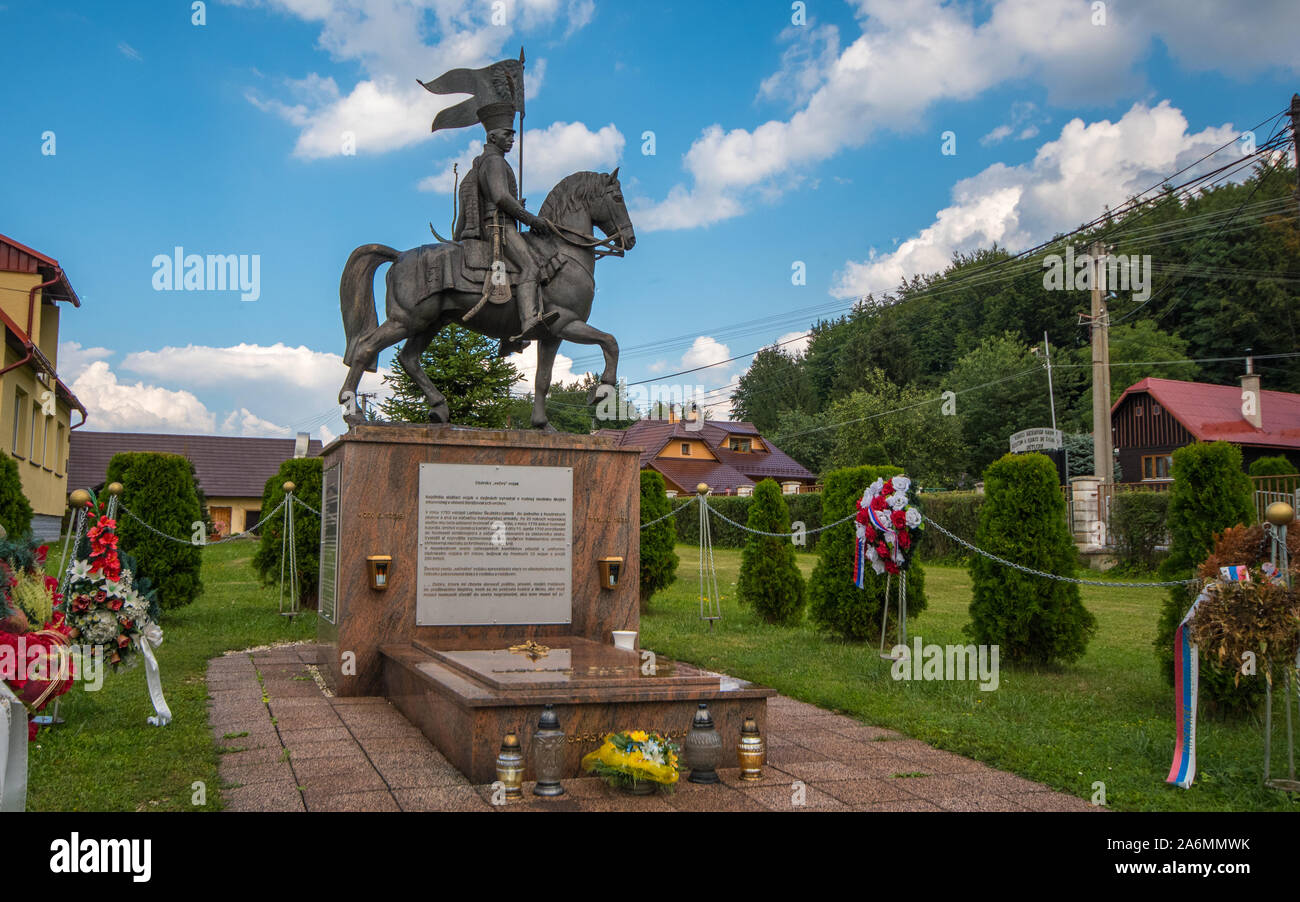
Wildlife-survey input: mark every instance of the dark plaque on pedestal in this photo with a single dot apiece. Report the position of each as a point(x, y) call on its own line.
point(329, 545)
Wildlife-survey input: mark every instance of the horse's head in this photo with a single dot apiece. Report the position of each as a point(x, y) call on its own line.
point(594, 197)
point(610, 214)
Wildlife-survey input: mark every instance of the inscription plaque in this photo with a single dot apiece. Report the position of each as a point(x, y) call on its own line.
point(329, 545)
point(496, 545)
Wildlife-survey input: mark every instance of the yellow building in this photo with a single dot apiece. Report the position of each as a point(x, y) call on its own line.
point(35, 406)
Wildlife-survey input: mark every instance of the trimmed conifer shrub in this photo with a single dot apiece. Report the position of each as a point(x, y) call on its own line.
point(1030, 618)
point(769, 577)
point(15, 509)
point(159, 489)
point(835, 603)
point(306, 475)
point(1210, 493)
point(1139, 521)
point(658, 543)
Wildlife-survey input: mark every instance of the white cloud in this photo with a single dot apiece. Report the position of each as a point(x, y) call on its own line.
point(551, 154)
point(707, 351)
point(913, 54)
point(1065, 184)
point(391, 42)
point(276, 390)
point(73, 359)
point(120, 407)
point(798, 342)
point(245, 422)
point(526, 362)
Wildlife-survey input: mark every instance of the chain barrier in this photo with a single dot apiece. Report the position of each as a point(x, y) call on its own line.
point(298, 501)
point(677, 510)
point(1107, 584)
point(239, 535)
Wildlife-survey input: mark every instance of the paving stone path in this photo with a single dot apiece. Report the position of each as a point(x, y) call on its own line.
point(287, 746)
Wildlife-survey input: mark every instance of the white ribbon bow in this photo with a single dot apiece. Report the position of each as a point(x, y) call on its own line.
point(13, 752)
point(150, 638)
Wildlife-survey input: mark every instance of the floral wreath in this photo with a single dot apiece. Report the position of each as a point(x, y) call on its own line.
point(888, 526)
point(105, 604)
point(33, 635)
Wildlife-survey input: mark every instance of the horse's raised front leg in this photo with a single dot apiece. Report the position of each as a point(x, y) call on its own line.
point(409, 358)
point(366, 353)
point(586, 334)
point(546, 349)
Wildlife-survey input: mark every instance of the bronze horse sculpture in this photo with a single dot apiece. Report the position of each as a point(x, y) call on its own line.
point(415, 314)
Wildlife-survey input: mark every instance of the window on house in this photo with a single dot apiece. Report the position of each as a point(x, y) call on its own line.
point(741, 444)
point(686, 449)
point(59, 440)
point(33, 446)
point(20, 411)
point(1157, 466)
point(1155, 409)
point(1137, 409)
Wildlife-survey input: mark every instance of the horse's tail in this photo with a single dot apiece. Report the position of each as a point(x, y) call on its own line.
point(357, 296)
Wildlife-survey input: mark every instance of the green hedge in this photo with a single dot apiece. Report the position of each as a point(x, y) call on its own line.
point(1139, 522)
point(1210, 493)
point(305, 474)
point(958, 512)
point(15, 509)
point(769, 576)
point(1032, 619)
point(805, 508)
point(160, 490)
point(658, 554)
point(835, 603)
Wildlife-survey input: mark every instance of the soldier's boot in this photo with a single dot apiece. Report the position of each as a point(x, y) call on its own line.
point(534, 322)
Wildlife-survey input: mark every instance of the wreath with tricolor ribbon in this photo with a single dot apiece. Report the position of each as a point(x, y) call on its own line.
point(889, 524)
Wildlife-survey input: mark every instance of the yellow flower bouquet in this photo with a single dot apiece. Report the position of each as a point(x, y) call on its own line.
point(635, 760)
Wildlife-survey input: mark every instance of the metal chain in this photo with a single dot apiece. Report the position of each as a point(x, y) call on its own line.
point(298, 501)
point(678, 510)
point(779, 535)
point(126, 510)
point(1065, 579)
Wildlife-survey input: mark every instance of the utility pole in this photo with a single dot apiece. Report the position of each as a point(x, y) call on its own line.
point(1102, 444)
point(1295, 135)
point(1051, 396)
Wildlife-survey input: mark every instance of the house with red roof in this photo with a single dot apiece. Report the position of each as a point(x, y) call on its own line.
point(1155, 417)
point(730, 457)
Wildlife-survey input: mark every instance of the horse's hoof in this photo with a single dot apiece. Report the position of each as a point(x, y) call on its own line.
point(355, 419)
point(599, 393)
point(545, 426)
point(440, 413)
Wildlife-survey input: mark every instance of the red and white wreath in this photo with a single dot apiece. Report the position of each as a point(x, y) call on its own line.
point(888, 526)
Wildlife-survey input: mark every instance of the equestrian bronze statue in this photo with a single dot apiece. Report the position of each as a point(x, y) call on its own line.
point(491, 277)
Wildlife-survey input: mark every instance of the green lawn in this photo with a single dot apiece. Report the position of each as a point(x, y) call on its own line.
point(106, 757)
point(1107, 718)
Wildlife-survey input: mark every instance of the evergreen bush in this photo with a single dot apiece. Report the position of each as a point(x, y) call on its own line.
point(805, 508)
point(658, 542)
point(159, 489)
point(769, 577)
point(835, 603)
point(306, 475)
point(958, 512)
point(1031, 619)
point(1210, 493)
point(15, 509)
point(1139, 522)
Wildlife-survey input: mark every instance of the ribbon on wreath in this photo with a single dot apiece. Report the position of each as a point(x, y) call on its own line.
point(149, 639)
point(1186, 678)
point(13, 751)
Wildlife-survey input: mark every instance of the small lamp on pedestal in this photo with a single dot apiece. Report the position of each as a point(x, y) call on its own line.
point(703, 747)
point(510, 767)
point(548, 754)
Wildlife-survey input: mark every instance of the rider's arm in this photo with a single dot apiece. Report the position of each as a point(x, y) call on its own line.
point(498, 188)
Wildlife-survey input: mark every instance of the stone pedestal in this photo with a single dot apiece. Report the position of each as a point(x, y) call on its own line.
point(377, 472)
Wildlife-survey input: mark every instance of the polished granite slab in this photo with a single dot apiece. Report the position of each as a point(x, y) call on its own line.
point(567, 662)
point(465, 699)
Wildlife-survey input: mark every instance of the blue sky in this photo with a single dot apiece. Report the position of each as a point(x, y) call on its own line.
point(777, 141)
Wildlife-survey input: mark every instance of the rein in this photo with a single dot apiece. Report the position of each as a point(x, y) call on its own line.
point(604, 247)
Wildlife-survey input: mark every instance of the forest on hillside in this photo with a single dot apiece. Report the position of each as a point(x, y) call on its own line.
point(871, 386)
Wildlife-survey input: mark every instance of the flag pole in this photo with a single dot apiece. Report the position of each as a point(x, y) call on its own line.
point(522, 113)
